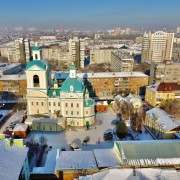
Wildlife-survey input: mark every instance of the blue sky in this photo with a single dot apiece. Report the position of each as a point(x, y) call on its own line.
point(90, 14)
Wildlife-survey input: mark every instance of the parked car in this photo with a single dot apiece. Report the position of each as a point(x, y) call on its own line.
point(114, 122)
point(86, 139)
point(108, 135)
point(15, 122)
point(74, 146)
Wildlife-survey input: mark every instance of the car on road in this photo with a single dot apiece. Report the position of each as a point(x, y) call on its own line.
point(108, 135)
point(86, 139)
point(74, 146)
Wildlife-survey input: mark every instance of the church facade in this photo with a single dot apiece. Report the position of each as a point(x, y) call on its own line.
point(45, 97)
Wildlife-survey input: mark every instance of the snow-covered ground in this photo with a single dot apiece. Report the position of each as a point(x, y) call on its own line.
point(77, 135)
point(16, 116)
point(4, 113)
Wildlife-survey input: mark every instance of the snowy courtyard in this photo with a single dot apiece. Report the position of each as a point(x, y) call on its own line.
point(77, 135)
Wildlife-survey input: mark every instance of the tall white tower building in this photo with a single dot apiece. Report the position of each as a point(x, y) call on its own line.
point(158, 46)
point(77, 51)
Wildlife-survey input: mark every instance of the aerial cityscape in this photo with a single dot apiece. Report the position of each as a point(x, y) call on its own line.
point(90, 90)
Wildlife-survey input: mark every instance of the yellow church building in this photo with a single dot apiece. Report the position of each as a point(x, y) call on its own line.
point(45, 97)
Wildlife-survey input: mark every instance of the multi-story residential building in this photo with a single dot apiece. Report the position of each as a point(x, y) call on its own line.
point(178, 30)
point(161, 124)
point(158, 94)
point(98, 56)
point(164, 72)
point(77, 51)
point(17, 51)
point(158, 46)
point(121, 64)
point(15, 84)
point(71, 100)
point(23, 52)
point(110, 83)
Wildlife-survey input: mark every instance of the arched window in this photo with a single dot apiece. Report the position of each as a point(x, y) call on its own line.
point(36, 56)
point(36, 80)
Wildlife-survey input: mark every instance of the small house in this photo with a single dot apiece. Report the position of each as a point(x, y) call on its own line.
point(102, 106)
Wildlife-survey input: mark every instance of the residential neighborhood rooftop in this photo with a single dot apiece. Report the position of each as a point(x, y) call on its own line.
point(11, 161)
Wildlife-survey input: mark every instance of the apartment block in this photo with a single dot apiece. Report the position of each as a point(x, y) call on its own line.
point(121, 64)
point(158, 94)
point(157, 46)
point(77, 51)
point(98, 56)
point(164, 72)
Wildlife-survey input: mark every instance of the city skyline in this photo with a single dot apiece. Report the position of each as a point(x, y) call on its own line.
point(90, 15)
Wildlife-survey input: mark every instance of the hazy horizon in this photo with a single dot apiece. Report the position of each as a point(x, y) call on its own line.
point(91, 14)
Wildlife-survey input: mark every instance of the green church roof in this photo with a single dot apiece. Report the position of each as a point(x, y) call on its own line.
point(40, 63)
point(88, 103)
point(36, 48)
point(75, 83)
point(53, 93)
point(72, 67)
point(55, 81)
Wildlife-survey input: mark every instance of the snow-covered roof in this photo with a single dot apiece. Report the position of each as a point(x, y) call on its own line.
point(11, 161)
point(105, 103)
point(75, 160)
point(153, 87)
point(148, 153)
point(20, 127)
point(165, 120)
point(49, 167)
point(106, 157)
point(16, 77)
point(60, 75)
point(141, 174)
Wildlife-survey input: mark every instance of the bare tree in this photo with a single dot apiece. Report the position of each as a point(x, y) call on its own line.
point(42, 140)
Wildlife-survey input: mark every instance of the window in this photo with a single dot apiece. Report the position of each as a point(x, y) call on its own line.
point(86, 112)
point(66, 113)
point(36, 56)
point(37, 103)
point(58, 103)
point(32, 103)
point(54, 103)
point(77, 112)
point(49, 103)
point(77, 123)
point(66, 104)
point(44, 128)
point(36, 80)
point(37, 127)
point(77, 105)
point(42, 104)
point(71, 112)
point(38, 111)
point(71, 88)
point(71, 104)
point(50, 128)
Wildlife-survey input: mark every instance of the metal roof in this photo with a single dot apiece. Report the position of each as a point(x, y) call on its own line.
point(143, 153)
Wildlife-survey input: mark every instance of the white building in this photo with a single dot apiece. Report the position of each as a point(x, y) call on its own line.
point(158, 46)
point(71, 100)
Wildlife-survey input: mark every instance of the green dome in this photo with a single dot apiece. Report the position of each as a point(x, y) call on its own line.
point(75, 83)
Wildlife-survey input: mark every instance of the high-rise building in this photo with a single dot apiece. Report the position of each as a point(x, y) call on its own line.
point(178, 30)
point(158, 46)
point(77, 51)
point(23, 52)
